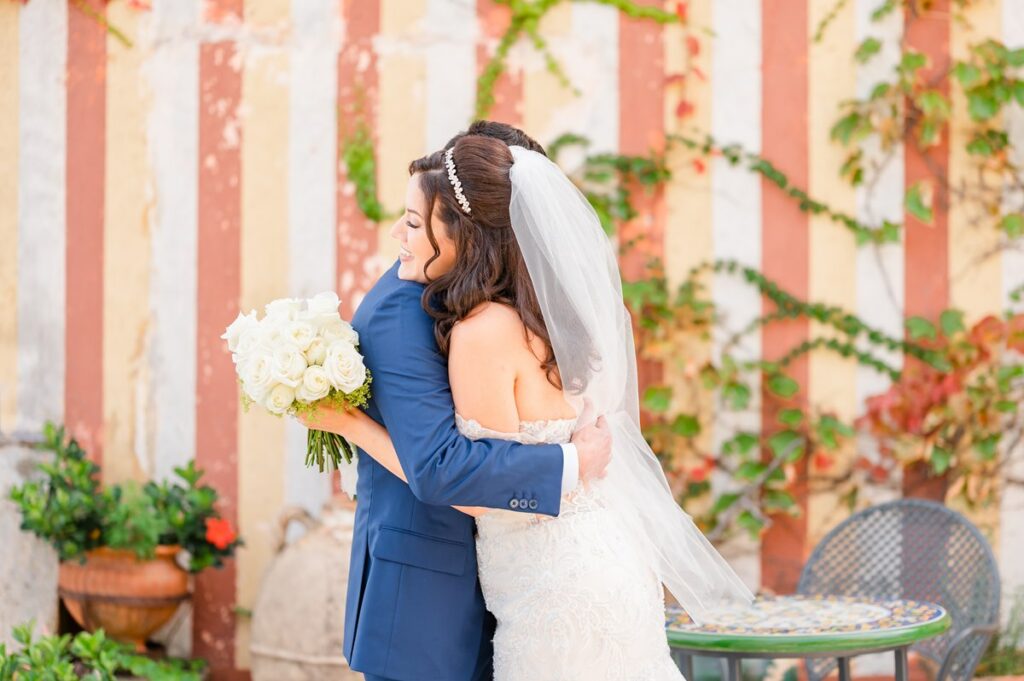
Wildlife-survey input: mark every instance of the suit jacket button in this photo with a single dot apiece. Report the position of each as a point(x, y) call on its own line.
point(533, 504)
point(514, 503)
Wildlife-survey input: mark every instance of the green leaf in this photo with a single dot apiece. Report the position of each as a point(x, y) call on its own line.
point(951, 321)
point(787, 443)
point(912, 61)
point(919, 327)
point(981, 105)
point(1006, 406)
point(750, 523)
point(686, 425)
point(724, 502)
point(1012, 224)
point(791, 417)
point(934, 104)
point(988, 447)
point(917, 204)
point(749, 470)
point(867, 49)
point(737, 395)
point(657, 398)
point(782, 385)
point(966, 73)
point(778, 500)
point(941, 458)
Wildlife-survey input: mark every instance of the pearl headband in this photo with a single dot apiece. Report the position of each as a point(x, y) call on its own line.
point(449, 163)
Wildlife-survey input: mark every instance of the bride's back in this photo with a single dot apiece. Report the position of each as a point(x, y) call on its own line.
point(496, 371)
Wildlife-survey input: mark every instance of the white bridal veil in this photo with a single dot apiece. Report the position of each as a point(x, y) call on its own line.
point(574, 271)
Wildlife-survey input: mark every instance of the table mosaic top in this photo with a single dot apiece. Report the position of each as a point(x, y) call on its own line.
point(810, 624)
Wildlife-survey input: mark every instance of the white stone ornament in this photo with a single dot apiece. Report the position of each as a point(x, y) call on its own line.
point(449, 163)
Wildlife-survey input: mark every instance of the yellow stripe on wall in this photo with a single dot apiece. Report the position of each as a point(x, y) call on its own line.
point(401, 109)
point(9, 215)
point(832, 248)
point(264, 249)
point(975, 265)
point(126, 254)
point(688, 199)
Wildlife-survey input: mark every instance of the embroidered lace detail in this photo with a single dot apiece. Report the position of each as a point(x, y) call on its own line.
point(570, 606)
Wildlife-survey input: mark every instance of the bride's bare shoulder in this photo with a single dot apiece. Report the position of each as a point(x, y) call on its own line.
point(490, 324)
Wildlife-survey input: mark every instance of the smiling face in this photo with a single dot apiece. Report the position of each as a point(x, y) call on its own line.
point(416, 251)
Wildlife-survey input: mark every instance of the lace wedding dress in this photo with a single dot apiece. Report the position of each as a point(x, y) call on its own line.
point(570, 603)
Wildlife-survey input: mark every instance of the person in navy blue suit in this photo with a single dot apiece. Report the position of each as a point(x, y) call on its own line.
point(414, 610)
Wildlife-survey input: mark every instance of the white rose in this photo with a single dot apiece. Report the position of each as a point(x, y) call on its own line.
point(242, 324)
point(279, 399)
point(256, 375)
point(248, 342)
point(340, 330)
point(323, 304)
point(316, 353)
point(283, 309)
point(344, 366)
point(300, 333)
point(288, 365)
point(314, 385)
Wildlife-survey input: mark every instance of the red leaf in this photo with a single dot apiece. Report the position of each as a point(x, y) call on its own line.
point(684, 109)
point(675, 79)
point(697, 72)
point(698, 166)
point(692, 45)
point(822, 461)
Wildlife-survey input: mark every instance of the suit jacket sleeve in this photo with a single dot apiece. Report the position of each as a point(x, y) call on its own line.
point(411, 390)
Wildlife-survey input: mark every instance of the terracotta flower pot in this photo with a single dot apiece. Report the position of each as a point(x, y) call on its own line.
point(127, 597)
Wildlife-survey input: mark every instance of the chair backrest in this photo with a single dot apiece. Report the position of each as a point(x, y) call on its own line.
point(918, 550)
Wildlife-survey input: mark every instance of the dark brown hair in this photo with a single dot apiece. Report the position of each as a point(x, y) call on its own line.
point(489, 265)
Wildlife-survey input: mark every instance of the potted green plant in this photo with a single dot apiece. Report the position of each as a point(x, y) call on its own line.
point(126, 550)
point(86, 655)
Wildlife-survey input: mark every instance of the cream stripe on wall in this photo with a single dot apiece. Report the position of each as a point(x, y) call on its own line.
point(403, 99)
point(42, 164)
point(264, 114)
point(450, 30)
point(544, 96)
point(1012, 501)
point(832, 248)
point(975, 267)
point(173, 138)
point(879, 282)
point(9, 215)
point(736, 202)
point(126, 253)
point(312, 175)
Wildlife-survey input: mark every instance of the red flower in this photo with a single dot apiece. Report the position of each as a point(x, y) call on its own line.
point(219, 533)
point(683, 12)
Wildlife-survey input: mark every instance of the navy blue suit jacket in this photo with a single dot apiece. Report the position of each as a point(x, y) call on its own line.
point(414, 609)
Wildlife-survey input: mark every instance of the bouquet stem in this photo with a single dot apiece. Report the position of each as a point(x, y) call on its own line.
point(322, 446)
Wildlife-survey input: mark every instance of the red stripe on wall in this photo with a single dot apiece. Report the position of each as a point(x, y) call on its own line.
point(219, 290)
point(86, 148)
point(785, 252)
point(508, 90)
point(641, 131)
point(926, 253)
point(357, 108)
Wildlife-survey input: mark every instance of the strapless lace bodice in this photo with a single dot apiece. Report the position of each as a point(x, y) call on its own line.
point(570, 606)
point(549, 431)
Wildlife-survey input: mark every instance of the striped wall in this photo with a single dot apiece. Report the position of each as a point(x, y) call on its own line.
point(147, 193)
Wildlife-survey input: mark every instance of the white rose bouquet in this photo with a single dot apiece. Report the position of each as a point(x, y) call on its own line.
point(300, 354)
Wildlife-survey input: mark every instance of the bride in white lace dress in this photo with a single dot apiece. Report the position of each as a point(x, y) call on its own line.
point(525, 293)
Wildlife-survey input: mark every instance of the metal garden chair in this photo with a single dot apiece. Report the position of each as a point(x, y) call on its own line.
point(918, 550)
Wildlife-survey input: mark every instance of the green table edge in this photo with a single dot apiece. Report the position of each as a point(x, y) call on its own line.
point(711, 642)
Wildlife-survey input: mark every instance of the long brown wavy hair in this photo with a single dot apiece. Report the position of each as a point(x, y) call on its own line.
point(490, 266)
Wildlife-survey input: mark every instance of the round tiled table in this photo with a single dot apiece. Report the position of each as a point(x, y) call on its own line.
point(807, 626)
